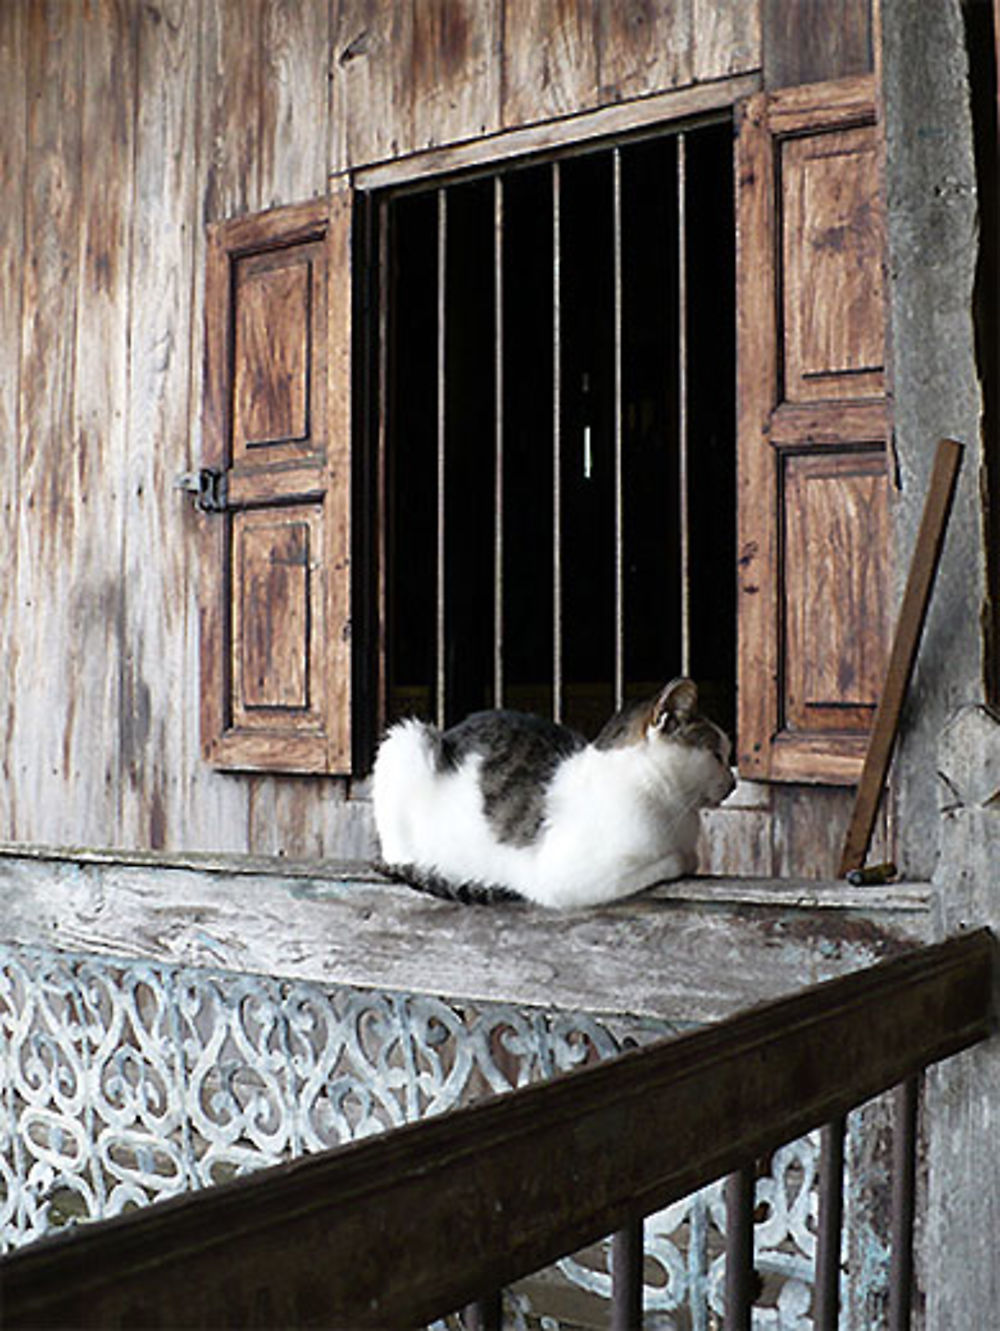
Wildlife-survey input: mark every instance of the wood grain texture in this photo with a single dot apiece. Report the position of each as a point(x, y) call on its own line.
point(905, 643)
point(812, 605)
point(834, 244)
point(642, 45)
point(371, 113)
point(836, 612)
point(295, 124)
point(97, 602)
point(814, 40)
point(156, 554)
point(276, 601)
point(229, 91)
point(455, 72)
point(48, 539)
point(726, 38)
point(13, 169)
point(692, 951)
point(549, 59)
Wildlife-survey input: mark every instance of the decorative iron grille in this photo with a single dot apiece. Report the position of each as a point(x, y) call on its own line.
point(124, 1081)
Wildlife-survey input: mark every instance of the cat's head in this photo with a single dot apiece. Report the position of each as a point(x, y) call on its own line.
point(670, 726)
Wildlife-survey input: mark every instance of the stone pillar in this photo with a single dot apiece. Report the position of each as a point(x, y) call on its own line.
point(961, 1259)
point(932, 242)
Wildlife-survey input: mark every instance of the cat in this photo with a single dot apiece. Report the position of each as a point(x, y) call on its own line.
point(506, 805)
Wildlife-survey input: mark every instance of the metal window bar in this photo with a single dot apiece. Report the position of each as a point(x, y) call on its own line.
point(682, 406)
point(557, 639)
point(442, 315)
point(619, 534)
point(498, 425)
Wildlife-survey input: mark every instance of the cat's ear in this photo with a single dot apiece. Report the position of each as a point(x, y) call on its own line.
point(676, 704)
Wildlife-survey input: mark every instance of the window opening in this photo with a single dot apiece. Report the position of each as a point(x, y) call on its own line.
point(555, 423)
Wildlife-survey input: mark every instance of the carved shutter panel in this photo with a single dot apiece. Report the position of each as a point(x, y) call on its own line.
point(275, 629)
point(813, 486)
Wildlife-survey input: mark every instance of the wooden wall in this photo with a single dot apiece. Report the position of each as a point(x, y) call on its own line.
point(127, 125)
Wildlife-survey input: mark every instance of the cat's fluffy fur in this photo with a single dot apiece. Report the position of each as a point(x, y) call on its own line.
point(507, 804)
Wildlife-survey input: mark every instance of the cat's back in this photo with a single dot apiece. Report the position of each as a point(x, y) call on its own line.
point(490, 770)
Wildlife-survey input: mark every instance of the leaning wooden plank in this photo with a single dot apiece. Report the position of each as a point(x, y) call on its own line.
point(909, 626)
point(399, 1229)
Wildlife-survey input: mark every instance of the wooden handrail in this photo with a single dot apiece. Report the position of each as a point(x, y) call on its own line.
point(398, 1229)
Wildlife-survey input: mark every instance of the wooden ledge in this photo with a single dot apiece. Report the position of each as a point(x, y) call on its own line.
point(690, 951)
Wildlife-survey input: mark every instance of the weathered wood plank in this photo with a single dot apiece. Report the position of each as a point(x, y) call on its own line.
point(90, 799)
point(13, 171)
point(454, 75)
point(294, 149)
point(157, 557)
point(549, 59)
point(47, 511)
point(726, 38)
point(642, 47)
point(229, 91)
point(370, 55)
point(906, 641)
point(368, 1235)
point(599, 123)
point(813, 40)
point(691, 951)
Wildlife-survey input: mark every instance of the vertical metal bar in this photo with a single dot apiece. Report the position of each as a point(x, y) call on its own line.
point(616, 159)
point(486, 1314)
point(740, 1276)
point(698, 1283)
point(382, 491)
point(557, 642)
point(826, 1291)
point(904, 1178)
point(626, 1277)
point(682, 405)
point(442, 258)
point(498, 493)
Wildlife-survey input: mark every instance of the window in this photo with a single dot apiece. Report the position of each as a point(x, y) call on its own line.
point(532, 436)
point(556, 420)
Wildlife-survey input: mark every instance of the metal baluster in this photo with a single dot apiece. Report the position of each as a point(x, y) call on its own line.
point(904, 1178)
point(626, 1277)
point(740, 1275)
point(486, 1314)
point(826, 1293)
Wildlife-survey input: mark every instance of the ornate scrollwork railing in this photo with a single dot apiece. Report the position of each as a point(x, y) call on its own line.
point(124, 1081)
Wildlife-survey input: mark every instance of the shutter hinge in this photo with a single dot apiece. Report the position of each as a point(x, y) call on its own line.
point(209, 487)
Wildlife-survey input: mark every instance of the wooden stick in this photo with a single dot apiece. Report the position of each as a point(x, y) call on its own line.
point(909, 626)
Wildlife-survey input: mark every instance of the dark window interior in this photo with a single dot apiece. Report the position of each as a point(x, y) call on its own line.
point(579, 317)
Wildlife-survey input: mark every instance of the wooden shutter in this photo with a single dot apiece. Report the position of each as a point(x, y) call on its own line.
point(812, 486)
point(275, 624)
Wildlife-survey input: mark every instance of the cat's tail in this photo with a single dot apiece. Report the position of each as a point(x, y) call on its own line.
point(469, 894)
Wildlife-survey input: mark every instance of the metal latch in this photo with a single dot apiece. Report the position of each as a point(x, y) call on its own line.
point(208, 485)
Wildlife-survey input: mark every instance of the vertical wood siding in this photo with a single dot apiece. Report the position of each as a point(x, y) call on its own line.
point(127, 126)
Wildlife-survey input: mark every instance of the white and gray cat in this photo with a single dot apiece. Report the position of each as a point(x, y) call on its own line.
point(509, 805)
